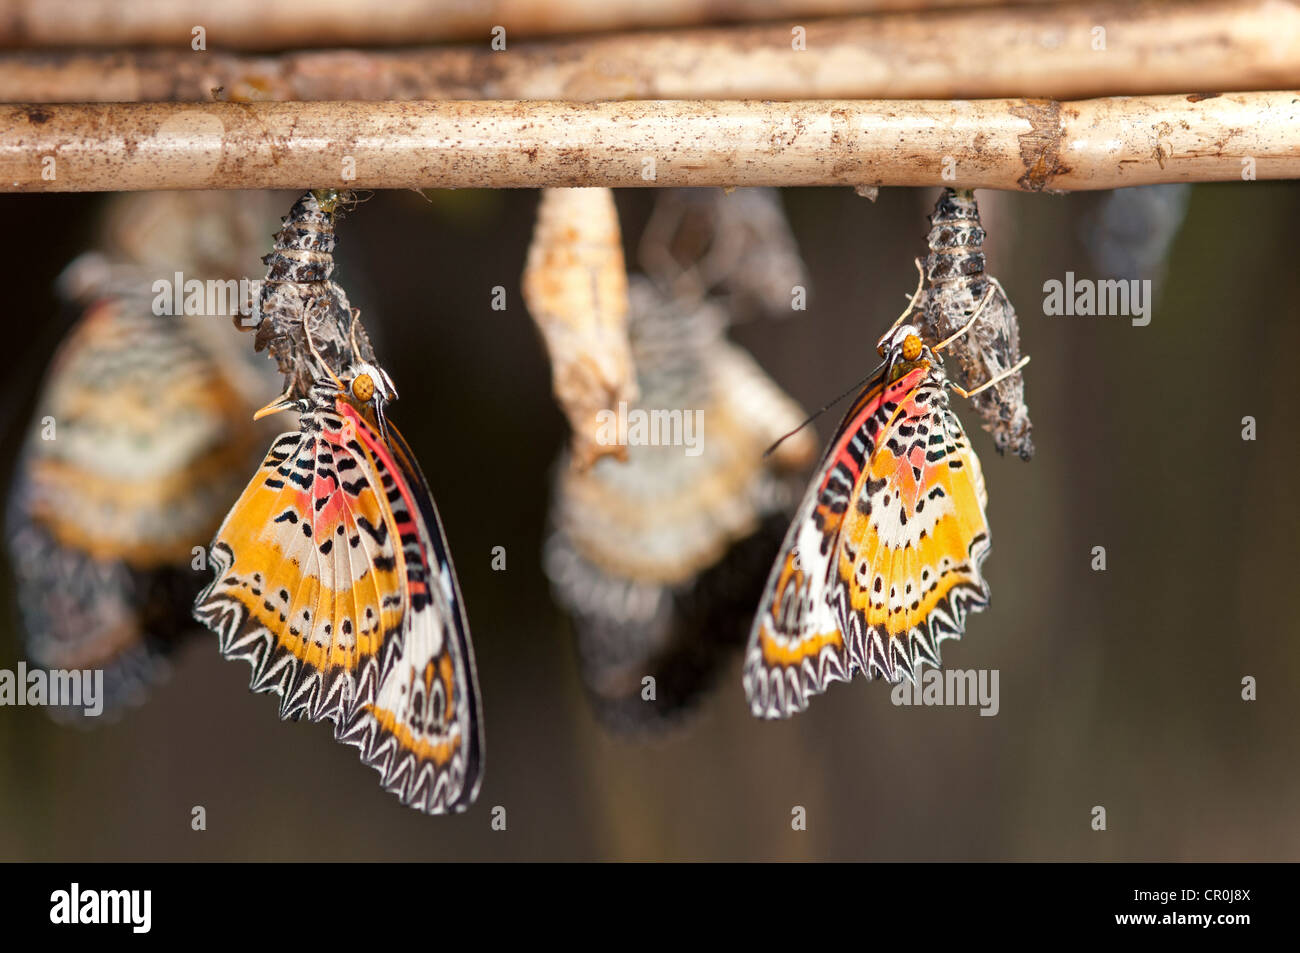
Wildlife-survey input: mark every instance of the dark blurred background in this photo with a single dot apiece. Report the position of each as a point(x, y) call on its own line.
point(1119, 688)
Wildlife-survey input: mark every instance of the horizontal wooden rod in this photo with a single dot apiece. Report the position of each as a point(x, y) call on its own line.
point(1074, 52)
point(1027, 145)
point(289, 24)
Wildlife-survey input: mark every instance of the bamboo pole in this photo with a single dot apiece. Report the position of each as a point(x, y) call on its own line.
point(285, 24)
point(1028, 145)
point(1053, 52)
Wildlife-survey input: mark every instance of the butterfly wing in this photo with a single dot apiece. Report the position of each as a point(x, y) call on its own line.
point(883, 559)
point(418, 721)
point(331, 582)
point(307, 583)
point(910, 549)
point(111, 495)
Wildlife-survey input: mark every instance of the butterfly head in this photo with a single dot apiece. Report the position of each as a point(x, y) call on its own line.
point(366, 382)
point(902, 349)
point(368, 385)
point(902, 343)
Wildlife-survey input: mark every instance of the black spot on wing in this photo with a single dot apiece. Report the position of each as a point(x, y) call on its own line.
point(378, 533)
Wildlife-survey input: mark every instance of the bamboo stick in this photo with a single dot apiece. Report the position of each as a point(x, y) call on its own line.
point(1028, 145)
point(1220, 45)
point(285, 24)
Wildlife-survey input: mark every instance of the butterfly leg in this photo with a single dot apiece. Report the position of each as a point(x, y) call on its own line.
point(989, 383)
point(352, 334)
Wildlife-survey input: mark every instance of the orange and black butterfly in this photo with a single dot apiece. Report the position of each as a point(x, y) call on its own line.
point(882, 562)
point(333, 576)
point(334, 582)
point(141, 430)
point(106, 512)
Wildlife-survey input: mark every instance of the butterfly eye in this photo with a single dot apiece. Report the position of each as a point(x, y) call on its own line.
point(363, 388)
point(880, 349)
point(911, 347)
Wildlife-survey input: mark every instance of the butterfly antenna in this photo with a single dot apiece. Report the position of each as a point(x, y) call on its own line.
point(284, 402)
point(768, 452)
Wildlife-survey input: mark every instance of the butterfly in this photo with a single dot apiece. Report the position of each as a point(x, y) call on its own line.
point(111, 499)
point(882, 562)
point(334, 581)
point(658, 559)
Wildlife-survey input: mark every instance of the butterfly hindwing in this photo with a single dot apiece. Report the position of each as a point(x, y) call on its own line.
point(418, 721)
point(883, 559)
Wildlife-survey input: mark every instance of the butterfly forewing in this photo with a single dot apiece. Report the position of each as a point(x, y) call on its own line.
point(304, 563)
point(883, 560)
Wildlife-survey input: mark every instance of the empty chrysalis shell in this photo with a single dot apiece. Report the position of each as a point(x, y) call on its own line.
point(957, 284)
point(575, 286)
point(298, 296)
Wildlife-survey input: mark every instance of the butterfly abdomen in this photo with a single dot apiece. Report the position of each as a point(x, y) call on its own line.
point(958, 282)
